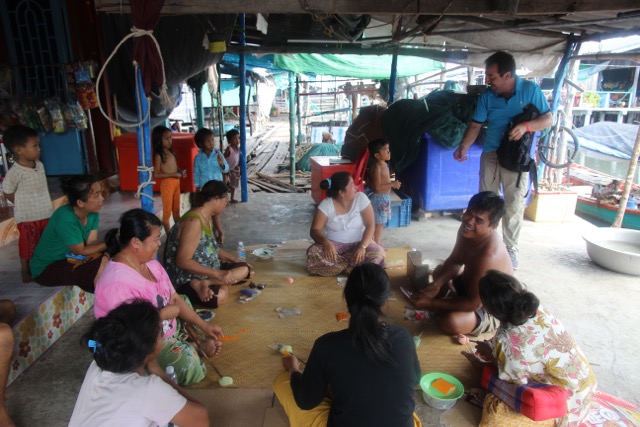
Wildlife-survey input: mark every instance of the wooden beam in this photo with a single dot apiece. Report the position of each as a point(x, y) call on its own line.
point(272, 188)
point(437, 74)
point(276, 181)
point(495, 23)
point(606, 56)
point(560, 23)
point(379, 7)
point(261, 185)
point(357, 49)
point(598, 37)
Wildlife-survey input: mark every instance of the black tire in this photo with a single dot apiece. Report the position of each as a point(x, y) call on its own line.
point(546, 147)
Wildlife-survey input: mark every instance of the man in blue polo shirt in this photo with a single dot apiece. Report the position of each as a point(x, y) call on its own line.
point(506, 97)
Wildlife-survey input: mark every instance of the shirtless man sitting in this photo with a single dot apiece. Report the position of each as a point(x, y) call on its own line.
point(479, 248)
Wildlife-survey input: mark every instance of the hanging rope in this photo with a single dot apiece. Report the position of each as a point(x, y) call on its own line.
point(143, 168)
point(164, 97)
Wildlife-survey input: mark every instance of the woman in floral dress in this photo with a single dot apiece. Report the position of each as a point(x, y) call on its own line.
point(531, 344)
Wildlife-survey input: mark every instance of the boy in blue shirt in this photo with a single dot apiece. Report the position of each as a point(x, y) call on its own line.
point(210, 163)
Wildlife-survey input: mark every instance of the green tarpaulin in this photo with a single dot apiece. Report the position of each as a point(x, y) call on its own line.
point(360, 66)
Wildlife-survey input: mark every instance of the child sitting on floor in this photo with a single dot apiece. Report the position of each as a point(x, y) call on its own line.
point(381, 184)
point(166, 168)
point(26, 186)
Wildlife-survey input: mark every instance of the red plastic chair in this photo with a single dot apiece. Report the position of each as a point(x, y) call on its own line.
point(360, 172)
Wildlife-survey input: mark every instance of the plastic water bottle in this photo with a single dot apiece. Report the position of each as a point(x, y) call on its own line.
point(171, 372)
point(242, 254)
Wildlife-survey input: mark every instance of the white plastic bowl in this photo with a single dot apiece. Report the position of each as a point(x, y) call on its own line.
point(616, 249)
point(433, 397)
point(438, 403)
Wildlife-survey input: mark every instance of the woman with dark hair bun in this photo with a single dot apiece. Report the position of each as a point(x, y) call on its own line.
point(371, 368)
point(531, 344)
point(192, 255)
point(123, 387)
point(342, 229)
point(69, 252)
point(134, 272)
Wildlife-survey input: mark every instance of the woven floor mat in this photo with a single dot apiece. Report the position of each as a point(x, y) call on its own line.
point(250, 328)
point(289, 260)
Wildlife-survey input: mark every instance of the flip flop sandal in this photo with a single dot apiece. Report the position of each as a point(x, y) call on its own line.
point(475, 396)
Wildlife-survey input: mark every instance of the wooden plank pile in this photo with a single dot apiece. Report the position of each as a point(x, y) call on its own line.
point(280, 183)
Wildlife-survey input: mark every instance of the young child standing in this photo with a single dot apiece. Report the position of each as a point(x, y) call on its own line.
point(209, 164)
point(380, 184)
point(26, 186)
point(165, 167)
point(232, 155)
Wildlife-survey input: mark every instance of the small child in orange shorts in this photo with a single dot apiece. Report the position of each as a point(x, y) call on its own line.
point(165, 167)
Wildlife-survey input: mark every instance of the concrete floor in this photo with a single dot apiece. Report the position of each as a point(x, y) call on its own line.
point(598, 306)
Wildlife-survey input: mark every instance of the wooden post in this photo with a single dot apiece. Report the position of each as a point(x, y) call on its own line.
point(634, 89)
point(220, 107)
point(355, 98)
point(197, 94)
point(248, 112)
point(307, 112)
point(292, 129)
point(628, 183)
point(298, 115)
point(244, 185)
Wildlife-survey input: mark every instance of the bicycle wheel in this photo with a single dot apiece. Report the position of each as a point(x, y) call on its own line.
point(548, 144)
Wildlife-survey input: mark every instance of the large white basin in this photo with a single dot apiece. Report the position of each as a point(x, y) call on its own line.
point(616, 249)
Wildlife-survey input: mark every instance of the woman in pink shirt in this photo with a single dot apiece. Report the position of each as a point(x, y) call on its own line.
point(134, 272)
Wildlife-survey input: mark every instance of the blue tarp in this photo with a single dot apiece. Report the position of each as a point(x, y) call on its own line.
point(230, 61)
point(614, 139)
